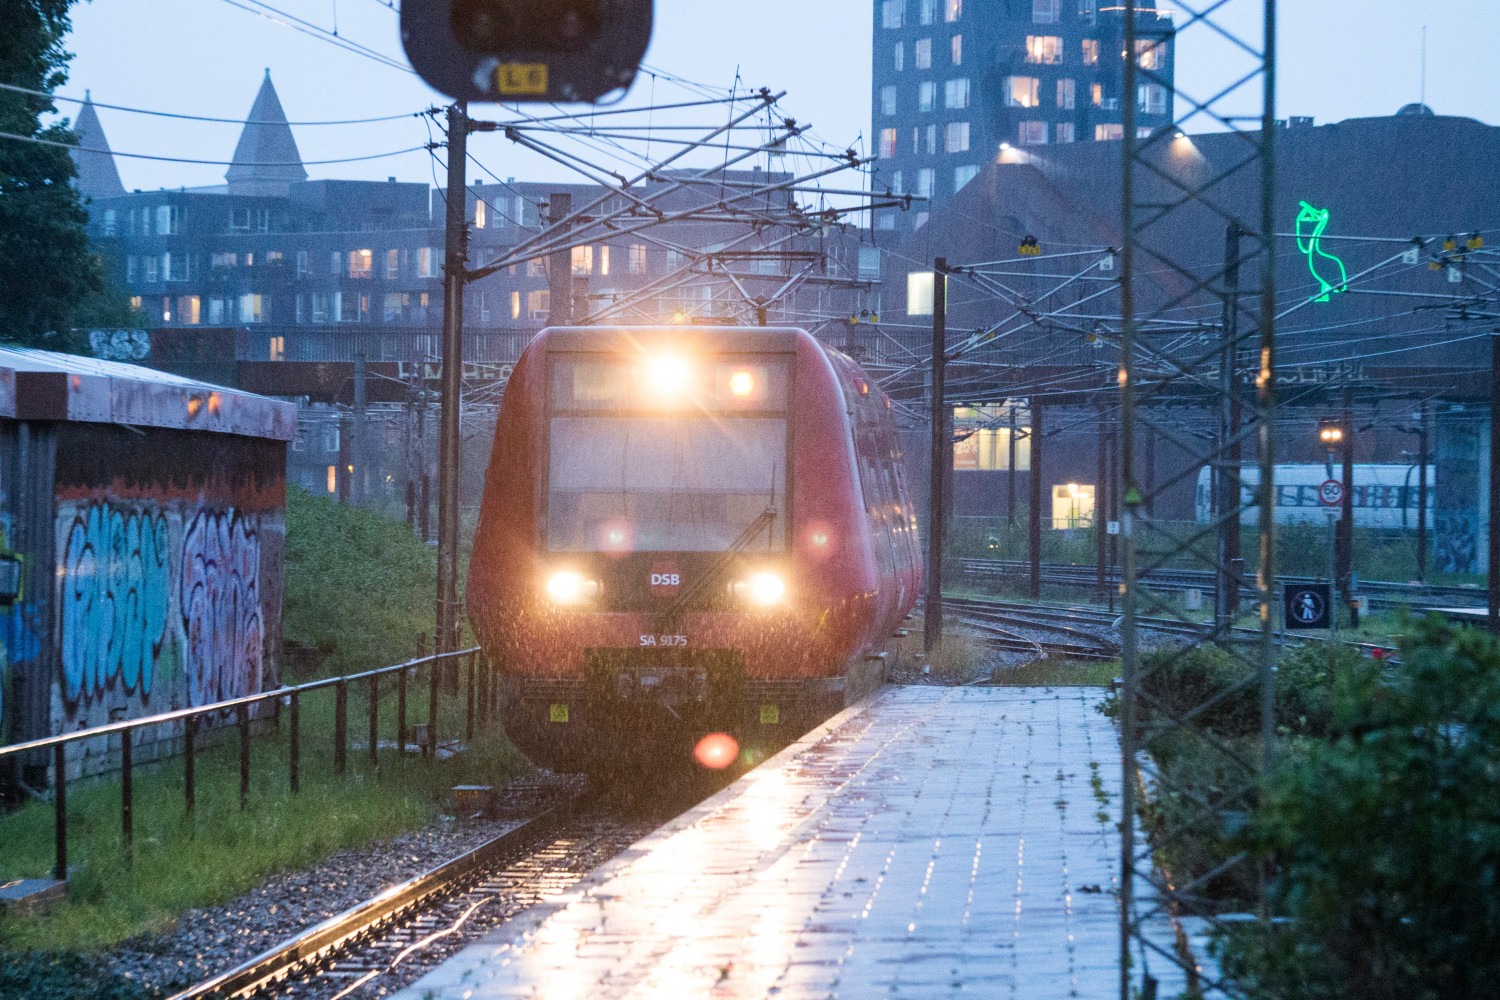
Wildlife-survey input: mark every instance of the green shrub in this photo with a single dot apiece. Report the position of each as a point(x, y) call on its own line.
point(1386, 835)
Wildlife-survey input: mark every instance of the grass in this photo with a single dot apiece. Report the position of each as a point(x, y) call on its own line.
point(359, 586)
point(1051, 672)
point(959, 659)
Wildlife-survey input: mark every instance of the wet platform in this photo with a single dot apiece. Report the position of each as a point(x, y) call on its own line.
point(934, 842)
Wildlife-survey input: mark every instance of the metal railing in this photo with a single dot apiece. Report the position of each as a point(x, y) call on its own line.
point(478, 691)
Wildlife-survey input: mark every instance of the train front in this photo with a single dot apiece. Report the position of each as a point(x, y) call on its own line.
point(654, 564)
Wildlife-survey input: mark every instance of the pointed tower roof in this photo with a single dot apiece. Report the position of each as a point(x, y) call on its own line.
point(266, 139)
point(97, 175)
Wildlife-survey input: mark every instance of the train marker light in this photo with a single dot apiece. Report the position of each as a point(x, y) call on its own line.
point(568, 587)
point(742, 383)
point(667, 375)
point(716, 751)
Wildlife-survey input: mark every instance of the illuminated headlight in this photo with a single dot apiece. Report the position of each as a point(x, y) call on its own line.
point(742, 383)
point(667, 375)
point(763, 589)
point(568, 587)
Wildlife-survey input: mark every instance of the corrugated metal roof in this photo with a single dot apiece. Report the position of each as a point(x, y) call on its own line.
point(45, 385)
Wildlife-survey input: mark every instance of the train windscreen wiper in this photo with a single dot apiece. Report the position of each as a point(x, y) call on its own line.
point(763, 521)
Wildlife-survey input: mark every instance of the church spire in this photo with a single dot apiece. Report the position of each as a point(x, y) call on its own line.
point(266, 160)
point(97, 174)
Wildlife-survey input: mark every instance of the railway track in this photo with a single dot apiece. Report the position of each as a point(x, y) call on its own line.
point(1382, 593)
point(994, 620)
point(394, 937)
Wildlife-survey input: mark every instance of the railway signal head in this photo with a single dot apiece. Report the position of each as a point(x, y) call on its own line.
point(526, 50)
point(1331, 432)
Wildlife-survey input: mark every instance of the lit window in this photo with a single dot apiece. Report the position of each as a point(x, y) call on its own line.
point(515, 305)
point(898, 57)
point(1072, 506)
point(152, 261)
point(956, 139)
point(1023, 91)
point(1044, 49)
point(1065, 92)
point(361, 263)
point(429, 260)
point(897, 184)
point(1091, 51)
point(922, 53)
point(1033, 133)
point(536, 267)
point(1108, 133)
point(919, 293)
point(957, 46)
point(538, 304)
point(188, 309)
point(1096, 94)
point(301, 263)
point(333, 479)
point(1046, 11)
point(1063, 131)
point(393, 307)
point(888, 100)
point(249, 260)
point(278, 349)
point(252, 308)
point(604, 261)
point(926, 95)
point(168, 220)
point(987, 448)
point(953, 10)
point(887, 152)
point(1150, 53)
point(135, 302)
point(956, 93)
point(893, 13)
point(924, 183)
point(273, 256)
point(263, 219)
point(638, 250)
point(583, 260)
point(392, 265)
point(926, 11)
point(479, 213)
point(1151, 98)
point(963, 175)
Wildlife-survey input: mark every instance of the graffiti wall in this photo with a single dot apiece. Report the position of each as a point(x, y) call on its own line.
point(169, 552)
point(1461, 505)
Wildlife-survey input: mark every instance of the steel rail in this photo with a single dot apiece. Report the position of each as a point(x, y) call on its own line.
point(318, 943)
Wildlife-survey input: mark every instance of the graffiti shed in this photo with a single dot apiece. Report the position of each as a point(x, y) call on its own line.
point(142, 516)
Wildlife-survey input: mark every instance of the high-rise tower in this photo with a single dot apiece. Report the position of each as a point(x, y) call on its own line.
point(953, 80)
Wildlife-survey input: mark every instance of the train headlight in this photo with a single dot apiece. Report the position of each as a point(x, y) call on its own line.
point(568, 587)
point(667, 375)
point(742, 383)
point(763, 589)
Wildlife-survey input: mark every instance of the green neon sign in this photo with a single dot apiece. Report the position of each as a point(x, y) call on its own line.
point(1317, 220)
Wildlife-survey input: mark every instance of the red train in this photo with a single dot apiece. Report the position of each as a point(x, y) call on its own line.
point(687, 531)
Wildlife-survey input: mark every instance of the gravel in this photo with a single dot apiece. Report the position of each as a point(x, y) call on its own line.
point(209, 940)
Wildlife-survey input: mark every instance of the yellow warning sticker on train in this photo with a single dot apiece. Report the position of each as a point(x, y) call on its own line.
point(558, 713)
point(770, 715)
point(521, 78)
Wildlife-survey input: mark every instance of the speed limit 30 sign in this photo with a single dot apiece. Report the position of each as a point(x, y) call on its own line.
point(1331, 493)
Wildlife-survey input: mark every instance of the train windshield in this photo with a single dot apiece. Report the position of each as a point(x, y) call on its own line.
point(624, 476)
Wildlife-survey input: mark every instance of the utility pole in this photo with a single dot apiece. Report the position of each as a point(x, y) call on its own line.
point(1010, 471)
point(1493, 570)
point(1346, 507)
point(559, 267)
point(1226, 482)
point(1101, 508)
point(358, 451)
point(942, 452)
point(1423, 457)
point(455, 263)
point(1034, 492)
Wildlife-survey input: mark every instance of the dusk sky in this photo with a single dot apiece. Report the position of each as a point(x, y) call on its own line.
point(1339, 59)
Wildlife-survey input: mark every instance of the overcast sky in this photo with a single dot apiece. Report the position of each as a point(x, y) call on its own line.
point(1338, 59)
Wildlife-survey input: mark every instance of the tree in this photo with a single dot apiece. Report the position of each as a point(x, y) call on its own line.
point(47, 266)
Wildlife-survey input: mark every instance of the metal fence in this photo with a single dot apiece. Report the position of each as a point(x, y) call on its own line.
point(479, 693)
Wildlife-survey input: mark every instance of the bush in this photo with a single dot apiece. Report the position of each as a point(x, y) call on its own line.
point(1386, 835)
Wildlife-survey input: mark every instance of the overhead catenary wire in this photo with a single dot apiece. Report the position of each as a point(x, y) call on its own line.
point(205, 118)
point(35, 140)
